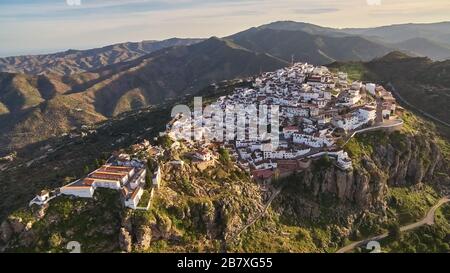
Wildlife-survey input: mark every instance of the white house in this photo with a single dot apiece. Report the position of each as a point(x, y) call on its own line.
point(371, 87)
point(347, 122)
point(157, 178)
point(266, 165)
point(204, 155)
point(367, 113)
point(41, 198)
point(343, 160)
point(132, 200)
point(289, 130)
point(312, 141)
point(81, 188)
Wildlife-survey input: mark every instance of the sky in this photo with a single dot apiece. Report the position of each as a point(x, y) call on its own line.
point(44, 26)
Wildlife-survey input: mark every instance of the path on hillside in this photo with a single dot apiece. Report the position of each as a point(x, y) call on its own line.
point(415, 107)
point(428, 220)
point(261, 214)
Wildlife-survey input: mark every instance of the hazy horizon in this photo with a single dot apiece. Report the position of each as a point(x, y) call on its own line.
point(47, 26)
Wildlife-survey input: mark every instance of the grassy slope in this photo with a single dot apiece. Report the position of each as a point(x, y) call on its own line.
point(44, 106)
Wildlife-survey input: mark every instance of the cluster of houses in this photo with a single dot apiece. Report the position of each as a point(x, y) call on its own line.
point(317, 108)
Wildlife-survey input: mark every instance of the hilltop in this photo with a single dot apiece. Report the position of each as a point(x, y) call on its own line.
point(307, 47)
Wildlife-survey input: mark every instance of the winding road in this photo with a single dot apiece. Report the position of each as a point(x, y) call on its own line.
point(394, 91)
point(428, 220)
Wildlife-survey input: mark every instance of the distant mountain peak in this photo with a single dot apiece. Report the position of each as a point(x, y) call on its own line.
point(395, 55)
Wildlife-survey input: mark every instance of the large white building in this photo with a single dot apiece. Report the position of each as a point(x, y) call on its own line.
point(129, 180)
point(356, 119)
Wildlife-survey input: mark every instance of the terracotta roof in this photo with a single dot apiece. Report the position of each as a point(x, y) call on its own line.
point(107, 176)
point(88, 181)
point(289, 128)
point(263, 174)
point(135, 192)
point(115, 170)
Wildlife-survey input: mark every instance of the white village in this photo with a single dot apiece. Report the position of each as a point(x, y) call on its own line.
point(319, 112)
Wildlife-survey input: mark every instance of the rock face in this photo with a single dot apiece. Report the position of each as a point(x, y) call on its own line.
point(211, 202)
point(413, 162)
point(40, 212)
point(5, 232)
point(143, 237)
point(16, 226)
point(406, 162)
point(125, 241)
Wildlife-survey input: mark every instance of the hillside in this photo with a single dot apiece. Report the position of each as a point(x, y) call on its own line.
point(176, 72)
point(38, 107)
point(439, 32)
point(419, 81)
point(204, 209)
point(304, 27)
point(77, 61)
point(312, 48)
point(35, 108)
point(430, 40)
point(425, 47)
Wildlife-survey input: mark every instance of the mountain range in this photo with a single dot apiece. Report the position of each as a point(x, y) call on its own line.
point(425, 40)
point(78, 61)
point(46, 95)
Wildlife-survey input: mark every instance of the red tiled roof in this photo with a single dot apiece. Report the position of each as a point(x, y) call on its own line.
point(108, 176)
point(262, 174)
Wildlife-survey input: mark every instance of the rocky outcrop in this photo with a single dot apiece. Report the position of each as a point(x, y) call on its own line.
point(6, 232)
point(329, 191)
point(40, 211)
point(125, 241)
point(143, 238)
point(16, 227)
point(412, 161)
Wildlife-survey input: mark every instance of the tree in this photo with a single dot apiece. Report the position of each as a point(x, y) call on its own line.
point(395, 232)
point(97, 163)
point(276, 174)
point(148, 180)
point(150, 165)
point(224, 155)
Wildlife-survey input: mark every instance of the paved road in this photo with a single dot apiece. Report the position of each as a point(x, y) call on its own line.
point(428, 220)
